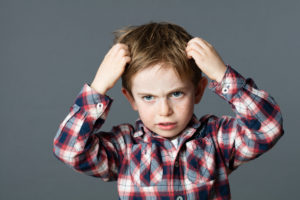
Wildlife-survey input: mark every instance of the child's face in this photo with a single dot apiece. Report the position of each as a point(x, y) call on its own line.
point(165, 103)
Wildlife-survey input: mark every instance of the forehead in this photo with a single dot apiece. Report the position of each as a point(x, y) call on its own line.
point(157, 78)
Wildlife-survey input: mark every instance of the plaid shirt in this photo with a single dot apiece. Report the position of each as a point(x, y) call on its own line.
point(148, 166)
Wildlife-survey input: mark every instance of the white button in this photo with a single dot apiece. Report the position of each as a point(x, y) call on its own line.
point(225, 90)
point(179, 198)
point(99, 106)
point(176, 164)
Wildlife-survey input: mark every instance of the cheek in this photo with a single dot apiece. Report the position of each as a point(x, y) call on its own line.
point(145, 112)
point(185, 112)
point(185, 106)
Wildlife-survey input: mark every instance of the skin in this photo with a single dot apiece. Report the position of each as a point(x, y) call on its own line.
point(165, 104)
point(111, 68)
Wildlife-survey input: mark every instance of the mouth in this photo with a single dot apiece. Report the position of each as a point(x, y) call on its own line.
point(167, 125)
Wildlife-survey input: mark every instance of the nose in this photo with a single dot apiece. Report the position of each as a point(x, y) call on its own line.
point(165, 109)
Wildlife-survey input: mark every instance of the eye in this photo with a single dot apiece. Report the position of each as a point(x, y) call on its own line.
point(148, 98)
point(177, 94)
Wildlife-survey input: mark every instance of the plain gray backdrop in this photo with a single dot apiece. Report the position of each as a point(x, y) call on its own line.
point(49, 49)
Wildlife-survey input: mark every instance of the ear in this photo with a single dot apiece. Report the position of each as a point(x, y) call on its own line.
point(130, 98)
point(199, 91)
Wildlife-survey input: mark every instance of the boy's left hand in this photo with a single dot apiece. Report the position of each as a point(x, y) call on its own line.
point(207, 58)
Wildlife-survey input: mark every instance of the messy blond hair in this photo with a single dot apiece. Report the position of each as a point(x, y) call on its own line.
point(157, 43)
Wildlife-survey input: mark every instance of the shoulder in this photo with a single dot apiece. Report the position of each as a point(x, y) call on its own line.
point(123, 128)
point(214, 124)
point(120, 136)
point(208, 119)
point(213, 119)
point(125, 131)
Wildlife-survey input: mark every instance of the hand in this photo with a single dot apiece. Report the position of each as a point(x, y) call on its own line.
point(111, 68)
point(206, 58)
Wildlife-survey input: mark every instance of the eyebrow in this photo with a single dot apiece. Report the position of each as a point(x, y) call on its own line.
point(171, 91)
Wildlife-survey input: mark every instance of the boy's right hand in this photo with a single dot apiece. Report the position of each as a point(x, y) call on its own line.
point(111, 68)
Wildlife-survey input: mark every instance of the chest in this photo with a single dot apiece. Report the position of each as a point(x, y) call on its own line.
point(162, 164)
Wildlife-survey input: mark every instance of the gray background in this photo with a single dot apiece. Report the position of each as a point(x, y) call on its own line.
point(49, 49)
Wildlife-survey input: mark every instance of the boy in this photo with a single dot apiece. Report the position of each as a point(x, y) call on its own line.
point(169, 153)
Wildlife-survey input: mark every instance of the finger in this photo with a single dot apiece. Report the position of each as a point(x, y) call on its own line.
point(115, 50)
point(123, 52)
point(194, 54)
point(206, 42)
point(200, 51)
point(188, 53)
point(200, 42)
point(127, 52)
point(127, 59)
point(197, 58)
point(196, 46)
point(122, 46)
point(117, 47)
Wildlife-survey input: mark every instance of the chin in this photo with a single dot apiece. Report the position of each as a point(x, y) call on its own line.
point(170, 137)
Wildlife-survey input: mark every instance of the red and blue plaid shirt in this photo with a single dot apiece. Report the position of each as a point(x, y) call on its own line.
point(148, 166)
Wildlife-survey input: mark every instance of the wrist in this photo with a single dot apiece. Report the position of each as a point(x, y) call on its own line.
point(98, 88)
point(219, 76)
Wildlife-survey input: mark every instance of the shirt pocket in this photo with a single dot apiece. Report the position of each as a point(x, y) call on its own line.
point(200, 161)
point(146, 166)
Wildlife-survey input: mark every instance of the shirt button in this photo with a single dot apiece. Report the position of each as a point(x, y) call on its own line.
point(99, 105)
point(176, 164)
point(225, 90)
point(179, 198)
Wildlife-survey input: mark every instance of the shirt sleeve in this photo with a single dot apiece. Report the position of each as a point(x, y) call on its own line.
point(257, 125)
point(79, 142)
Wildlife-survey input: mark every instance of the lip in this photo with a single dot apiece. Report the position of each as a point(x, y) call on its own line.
point(167, 125)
